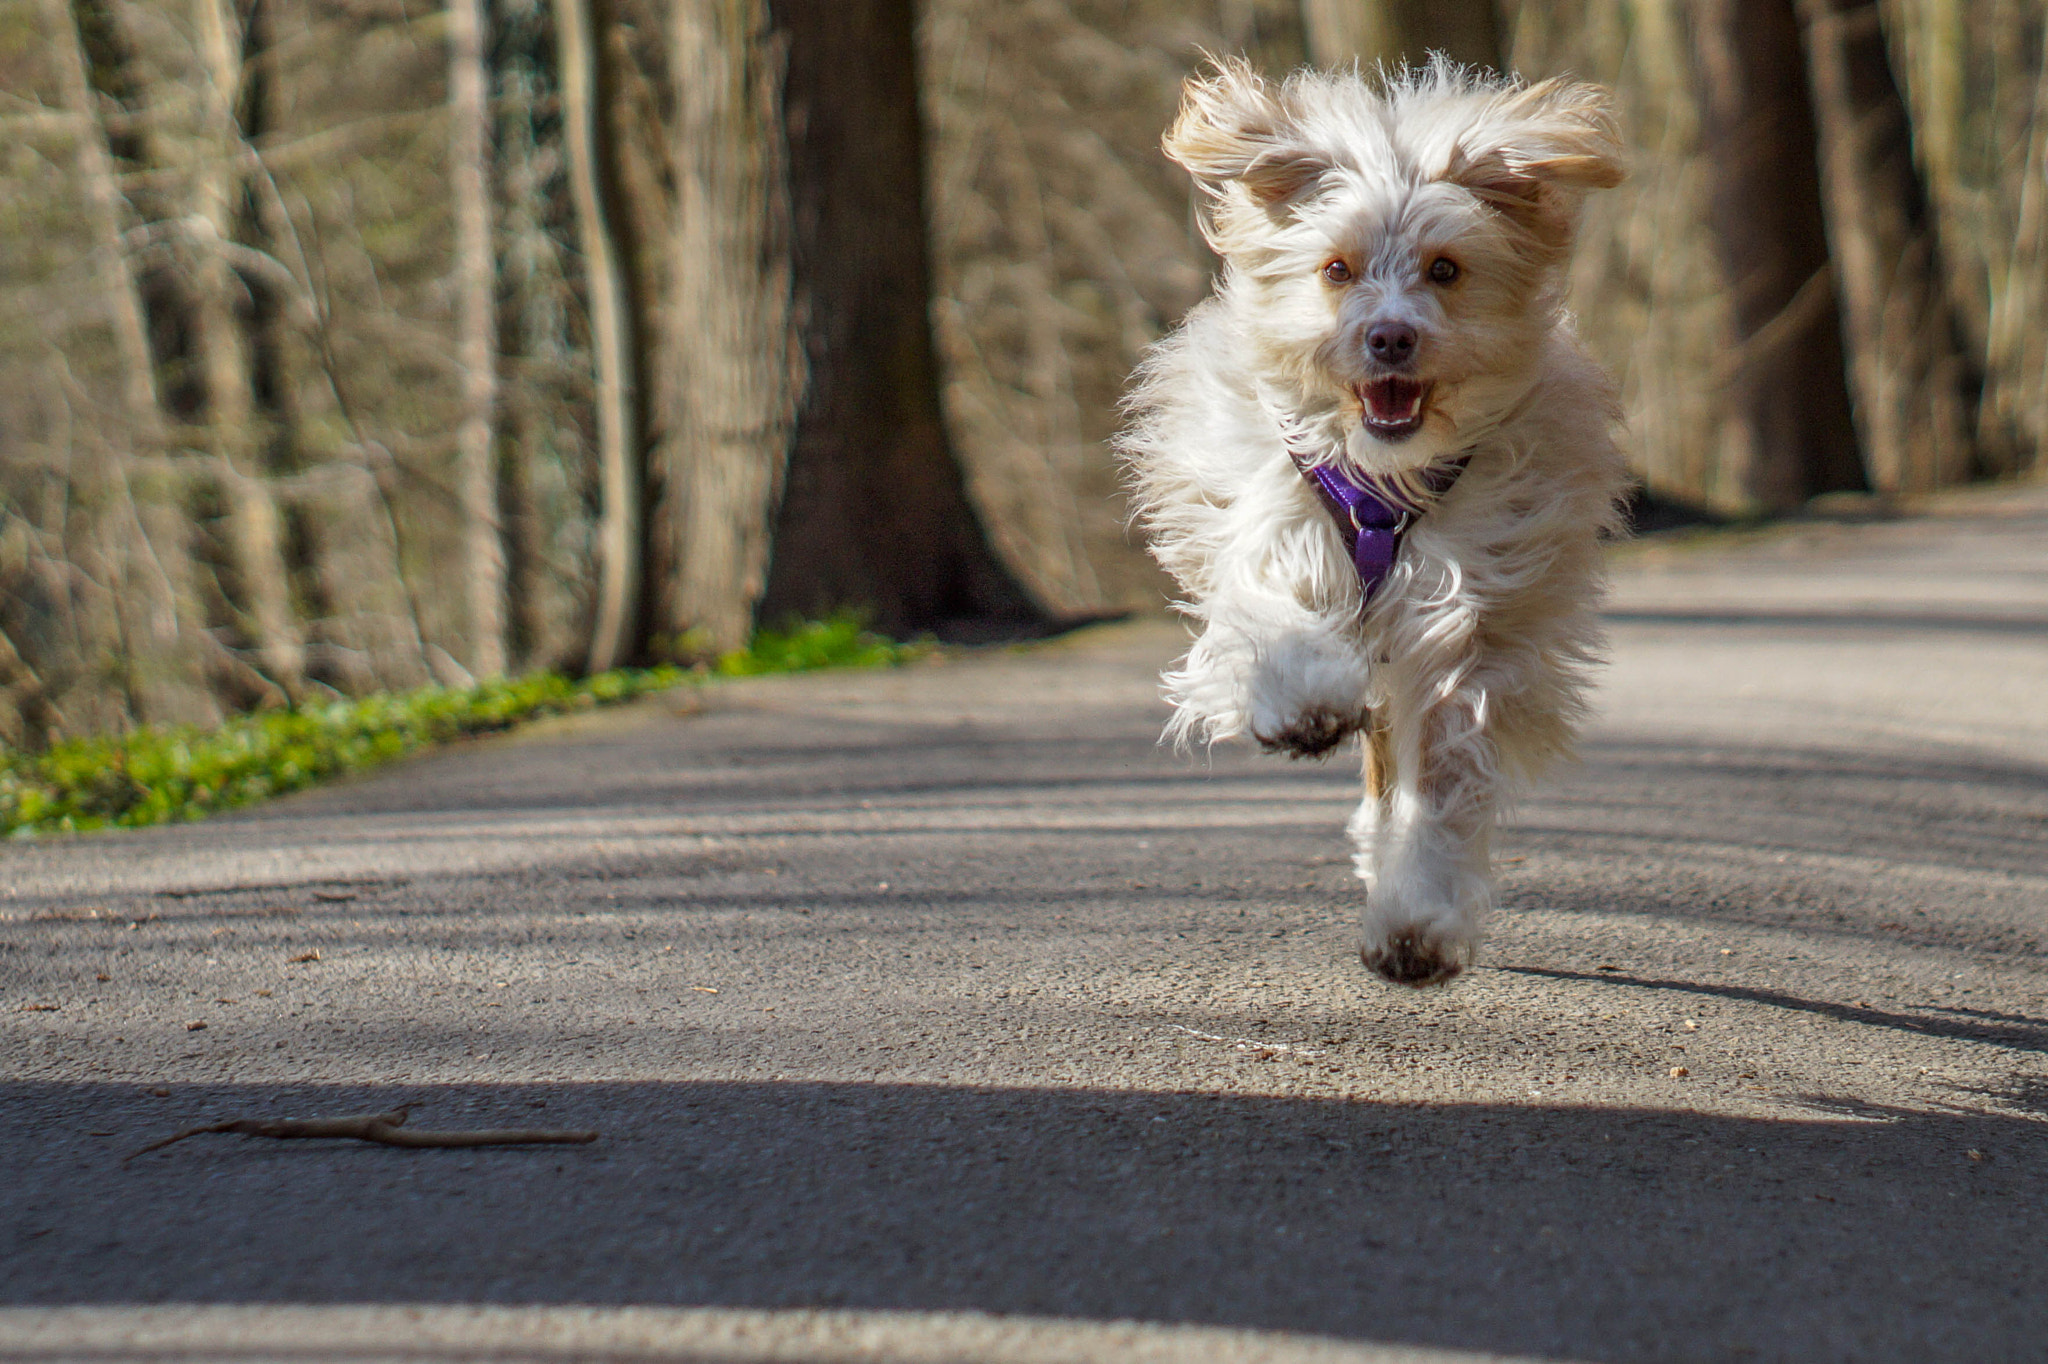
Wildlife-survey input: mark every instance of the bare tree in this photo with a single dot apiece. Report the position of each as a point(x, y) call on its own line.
point(217, 187)
point(2017, 344)
point(1789, 432)
point(729, 323)
point(138, 619)
point(874, 514)
point(616, 632)
point(808, 469)
point(475, 278)
point(1975, 78)
point(121, 298)
point(1909, 376)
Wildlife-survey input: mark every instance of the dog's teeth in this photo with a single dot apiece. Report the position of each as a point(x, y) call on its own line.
point(1394, 403)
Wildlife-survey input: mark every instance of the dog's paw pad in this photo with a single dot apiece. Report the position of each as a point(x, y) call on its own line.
point(1410, 958)
point(1313, 735)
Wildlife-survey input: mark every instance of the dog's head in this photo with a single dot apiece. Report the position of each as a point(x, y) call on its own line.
point(1397, 254)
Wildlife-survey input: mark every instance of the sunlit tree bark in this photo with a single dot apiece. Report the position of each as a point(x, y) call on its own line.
point(874, 515)
point(809, 471)
point(617, 631)
point(475, 280)
point(226, 361)
point(729, 325)
point(138, 620)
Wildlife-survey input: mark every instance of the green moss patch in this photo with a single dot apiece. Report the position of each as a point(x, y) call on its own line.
point(158, 775)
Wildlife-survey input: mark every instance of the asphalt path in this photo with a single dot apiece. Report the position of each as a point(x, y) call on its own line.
point(940, 1015)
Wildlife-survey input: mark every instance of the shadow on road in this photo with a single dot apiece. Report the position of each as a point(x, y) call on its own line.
point(1613, 1234)
point(2016, 1031)
point(1918, 622)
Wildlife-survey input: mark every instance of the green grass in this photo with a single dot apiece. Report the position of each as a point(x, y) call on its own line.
point(840, 642)
point(158, 775)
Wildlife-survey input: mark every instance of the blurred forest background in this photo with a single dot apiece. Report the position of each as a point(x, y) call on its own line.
point(357, 344)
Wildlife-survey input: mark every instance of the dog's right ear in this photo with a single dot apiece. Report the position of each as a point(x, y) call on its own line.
point(1234, 129)
point(1535, 154)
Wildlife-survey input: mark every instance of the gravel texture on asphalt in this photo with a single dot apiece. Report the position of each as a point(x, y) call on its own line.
point(940, 1014)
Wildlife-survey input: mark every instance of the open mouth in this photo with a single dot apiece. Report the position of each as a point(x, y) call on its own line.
point(1394, 406)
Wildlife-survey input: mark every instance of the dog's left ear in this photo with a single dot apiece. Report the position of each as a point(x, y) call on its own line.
point(1234, 128)
point(1536, 152)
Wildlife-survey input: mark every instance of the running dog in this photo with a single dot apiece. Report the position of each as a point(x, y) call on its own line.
point(1379, 464)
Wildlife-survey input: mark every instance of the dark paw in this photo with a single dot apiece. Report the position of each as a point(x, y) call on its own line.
point(1408, 958)
point(1314, 735)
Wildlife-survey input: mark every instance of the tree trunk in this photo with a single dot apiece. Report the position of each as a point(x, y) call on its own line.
point(102, 193)
point(255, 526)
point(140, 625)
point(1391, 33)
point(475, 276)
point(1911, 383)
point(2017, 344)
point(1789, 434)
point(807, 469)
point(28, 721)
point(730, 329)
point(616, 633)
point(874, 516)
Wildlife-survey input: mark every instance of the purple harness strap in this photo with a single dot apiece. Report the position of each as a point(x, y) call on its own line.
point(1371, 515)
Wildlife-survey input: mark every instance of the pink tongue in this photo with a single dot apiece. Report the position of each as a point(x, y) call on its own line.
point(1393, 400)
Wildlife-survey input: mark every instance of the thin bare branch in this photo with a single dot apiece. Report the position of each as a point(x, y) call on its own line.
point(383, 1129)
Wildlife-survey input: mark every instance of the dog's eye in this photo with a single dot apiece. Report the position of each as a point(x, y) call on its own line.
point(1443, 270)
point(1337, 272)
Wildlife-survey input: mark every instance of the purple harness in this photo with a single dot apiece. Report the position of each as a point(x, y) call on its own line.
point(1372, 515)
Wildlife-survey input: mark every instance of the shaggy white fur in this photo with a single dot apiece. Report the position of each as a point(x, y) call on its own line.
point(1392, 296)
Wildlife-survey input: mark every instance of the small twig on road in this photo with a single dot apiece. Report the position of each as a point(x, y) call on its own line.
point(1246, 1043)
point(387, 1129)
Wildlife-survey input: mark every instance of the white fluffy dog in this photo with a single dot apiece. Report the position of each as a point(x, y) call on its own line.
point(1378, 462)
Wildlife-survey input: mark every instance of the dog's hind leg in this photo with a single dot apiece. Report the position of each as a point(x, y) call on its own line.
point(1379, 759)
point(1373, 812)
point(1422, 835)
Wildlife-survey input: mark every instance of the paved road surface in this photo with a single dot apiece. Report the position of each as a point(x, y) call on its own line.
point(939, 1015)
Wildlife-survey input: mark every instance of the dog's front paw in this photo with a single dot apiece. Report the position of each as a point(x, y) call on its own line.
point(1415, 956)
point(1312, 734)
point(1307, 695)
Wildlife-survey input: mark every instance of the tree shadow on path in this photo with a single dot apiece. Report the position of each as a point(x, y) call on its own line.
point(2016, 1031)
point(1585, 1233)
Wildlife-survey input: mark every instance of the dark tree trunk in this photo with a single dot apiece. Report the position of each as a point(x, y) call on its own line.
point(1393, 32)
point(1785, 386)
point(874, 515)
point(1913, 385)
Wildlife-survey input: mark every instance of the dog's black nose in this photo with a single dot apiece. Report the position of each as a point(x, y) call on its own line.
point(1391, 343)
